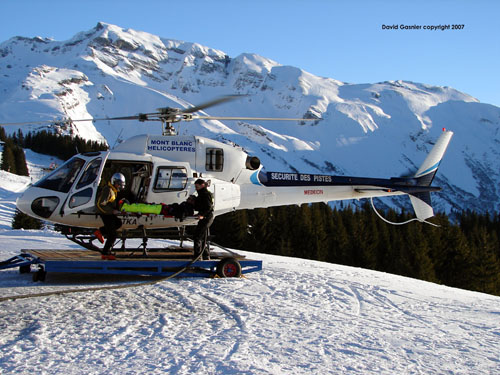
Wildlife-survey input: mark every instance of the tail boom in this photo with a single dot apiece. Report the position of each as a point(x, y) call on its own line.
point(267, 189)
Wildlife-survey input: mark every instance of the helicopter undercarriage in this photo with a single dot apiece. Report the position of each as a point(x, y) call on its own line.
point(127, 240)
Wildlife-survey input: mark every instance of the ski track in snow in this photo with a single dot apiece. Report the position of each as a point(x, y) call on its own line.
point(294, 317)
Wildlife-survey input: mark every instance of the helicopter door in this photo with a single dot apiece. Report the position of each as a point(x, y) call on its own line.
point(226, 196)
point(83, 192)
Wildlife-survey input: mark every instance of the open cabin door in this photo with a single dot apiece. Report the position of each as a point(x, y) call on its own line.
point(82, 194)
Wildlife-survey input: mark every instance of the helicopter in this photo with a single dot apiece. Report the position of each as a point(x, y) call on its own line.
point(163, 168)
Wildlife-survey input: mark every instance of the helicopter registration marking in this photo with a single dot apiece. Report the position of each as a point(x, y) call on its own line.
point(129, 221)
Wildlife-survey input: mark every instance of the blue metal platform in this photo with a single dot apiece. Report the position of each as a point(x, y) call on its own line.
point(154, 264)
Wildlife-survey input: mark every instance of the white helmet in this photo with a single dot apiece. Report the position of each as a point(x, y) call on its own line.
point(118, 178)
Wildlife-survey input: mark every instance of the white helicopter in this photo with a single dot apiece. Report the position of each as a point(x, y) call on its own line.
point(163, 169)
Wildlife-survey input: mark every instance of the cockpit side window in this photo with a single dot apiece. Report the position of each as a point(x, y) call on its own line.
point(170, 178)
point(90, 173)
point(62, 178)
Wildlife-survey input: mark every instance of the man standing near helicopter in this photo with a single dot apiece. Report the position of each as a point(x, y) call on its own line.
point(204, 204)
point(107, 205)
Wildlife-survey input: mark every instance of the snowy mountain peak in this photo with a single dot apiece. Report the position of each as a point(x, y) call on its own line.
point(381, 129)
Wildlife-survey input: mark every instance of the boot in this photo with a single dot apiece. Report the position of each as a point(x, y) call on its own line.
point(99, 236)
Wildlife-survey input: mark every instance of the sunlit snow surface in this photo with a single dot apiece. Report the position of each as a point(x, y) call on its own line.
point(294, 317)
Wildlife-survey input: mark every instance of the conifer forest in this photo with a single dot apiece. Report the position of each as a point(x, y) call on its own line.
point(464, 253)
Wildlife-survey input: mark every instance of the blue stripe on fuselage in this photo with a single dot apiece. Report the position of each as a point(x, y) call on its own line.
point(254, 178)
point(428, 170)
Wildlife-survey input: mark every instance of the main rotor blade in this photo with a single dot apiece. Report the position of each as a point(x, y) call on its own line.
point(68, 120)
point(30, 122)
point(212, 103)
point(254, 118)
point(134, 117)
point(137, 117)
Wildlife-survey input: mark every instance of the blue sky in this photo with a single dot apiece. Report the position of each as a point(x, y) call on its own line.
point(337, 39)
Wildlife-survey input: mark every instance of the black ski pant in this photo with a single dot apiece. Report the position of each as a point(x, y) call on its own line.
point(111, 224)
point(201, 236)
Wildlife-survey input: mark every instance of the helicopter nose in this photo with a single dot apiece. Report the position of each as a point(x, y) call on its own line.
point(38, 205)
point(23, 205)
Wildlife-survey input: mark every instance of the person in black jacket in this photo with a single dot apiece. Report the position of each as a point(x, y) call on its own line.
point(204, 204)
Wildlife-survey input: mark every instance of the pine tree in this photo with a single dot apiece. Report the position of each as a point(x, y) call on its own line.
point(384, 246)
point(13, 159)
point(423, 264)
point(318, 232)
point(279, 241)
point(258, 230)
point(230, 229)
point(338, 239)
point(20, 138)
point(485, 269)
point(20, 161)
point(452, 256)
point(368, 238)
point(62, 147)
point(8, 158)
point(23, 221)
point(394, 254)
point(3, 135)
point(302, 233)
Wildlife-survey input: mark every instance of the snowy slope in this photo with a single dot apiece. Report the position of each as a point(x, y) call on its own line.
point(376, 130)
point(294, 317)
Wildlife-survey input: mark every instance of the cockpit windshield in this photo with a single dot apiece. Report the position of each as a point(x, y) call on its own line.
point(63, 177)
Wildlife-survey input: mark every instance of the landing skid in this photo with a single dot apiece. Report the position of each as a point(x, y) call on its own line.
point(86, 239)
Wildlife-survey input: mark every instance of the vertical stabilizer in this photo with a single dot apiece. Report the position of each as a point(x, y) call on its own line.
point(421, 202)
point(429, 167)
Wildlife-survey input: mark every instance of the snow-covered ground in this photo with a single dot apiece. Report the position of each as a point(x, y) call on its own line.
point(294, 317)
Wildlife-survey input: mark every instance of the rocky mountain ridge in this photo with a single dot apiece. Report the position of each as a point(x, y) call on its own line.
point(376, 130)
